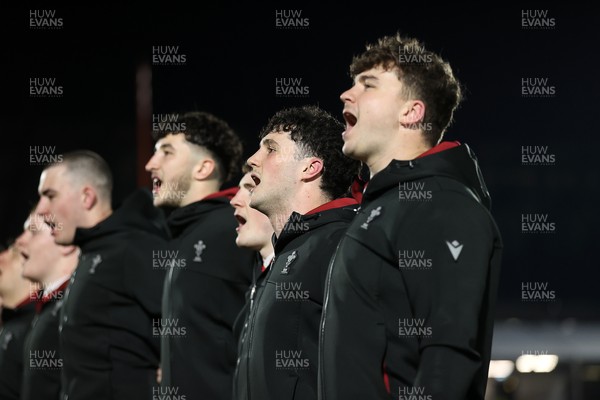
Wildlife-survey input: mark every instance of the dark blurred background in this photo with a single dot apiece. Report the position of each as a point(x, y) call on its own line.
point(234, 55)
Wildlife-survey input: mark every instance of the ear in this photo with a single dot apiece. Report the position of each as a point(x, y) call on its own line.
point(89, 197)
point(312, 168)
point(412, 113)
point(203, 169)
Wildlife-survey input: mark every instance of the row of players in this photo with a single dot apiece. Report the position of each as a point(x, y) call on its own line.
point(317, 285)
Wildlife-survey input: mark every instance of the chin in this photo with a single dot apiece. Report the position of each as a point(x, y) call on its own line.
point(167, 203)
point(255, 204)
point(241, 243)
point(348, 151)
point(353, 153)
point(161, 202)
point(34, 279)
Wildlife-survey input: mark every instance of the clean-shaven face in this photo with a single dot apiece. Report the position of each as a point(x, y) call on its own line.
point(276, 172)
point(372, 113)
point(38, 249)
point(254, 229)
point(60, 204)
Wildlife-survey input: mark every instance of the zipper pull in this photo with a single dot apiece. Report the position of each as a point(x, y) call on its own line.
point(252, 293)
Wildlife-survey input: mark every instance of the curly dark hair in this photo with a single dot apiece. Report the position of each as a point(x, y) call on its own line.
point(424, 75)
point(318, 134)
point(213, 134)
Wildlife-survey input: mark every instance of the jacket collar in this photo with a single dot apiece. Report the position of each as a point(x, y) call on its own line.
point(342, 209)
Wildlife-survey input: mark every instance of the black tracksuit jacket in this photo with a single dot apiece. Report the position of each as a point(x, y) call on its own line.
point(42, 360)
point(14, 326)
point(203, 294)
point(278, 349)
point(107, 343)
point(411, 291)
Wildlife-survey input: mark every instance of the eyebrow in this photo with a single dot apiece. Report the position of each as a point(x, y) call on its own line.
point(267, 142)
point(165, 146)
point(46, 192)
point(363, 78)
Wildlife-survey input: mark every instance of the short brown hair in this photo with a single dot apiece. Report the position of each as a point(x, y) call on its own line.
point(424, 75)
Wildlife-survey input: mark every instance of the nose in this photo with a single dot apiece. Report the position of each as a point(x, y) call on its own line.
point(21, 241)
point(42, 206)
point(347, 96)
point(253, 160)
point(236, 200)
point(151, 164)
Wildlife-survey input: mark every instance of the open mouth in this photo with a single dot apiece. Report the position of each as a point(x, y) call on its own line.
point(256, 179)
point(156, 184)
point(50, 225)
point(350, 120)
point(241, 221)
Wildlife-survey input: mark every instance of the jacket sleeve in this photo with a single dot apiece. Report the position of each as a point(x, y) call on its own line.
point(450, 299)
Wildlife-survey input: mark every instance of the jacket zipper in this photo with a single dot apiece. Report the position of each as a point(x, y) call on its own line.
point(251, 319)
point(323, 317)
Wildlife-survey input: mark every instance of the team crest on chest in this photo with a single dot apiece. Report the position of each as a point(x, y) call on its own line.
point(200, 246)
point(290, 259)
point(374, 214)
point(95, 262)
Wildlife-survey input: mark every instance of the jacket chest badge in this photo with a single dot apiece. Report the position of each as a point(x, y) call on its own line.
point(374, 214)
point(200, 246)
point(95, 261)
point(288, 262)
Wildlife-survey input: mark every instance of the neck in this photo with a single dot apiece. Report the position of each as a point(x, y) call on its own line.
point(53, 285)
point(97, 215)
point(266, 251)
point(62, 270)
point(199, 191)
point(305, 201)
point(278, 218)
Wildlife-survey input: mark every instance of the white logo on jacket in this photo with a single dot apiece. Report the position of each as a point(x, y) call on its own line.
point(455, 248)
point(95, 261)
point(374, 214)
point(200, 246)
point(289, 261)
